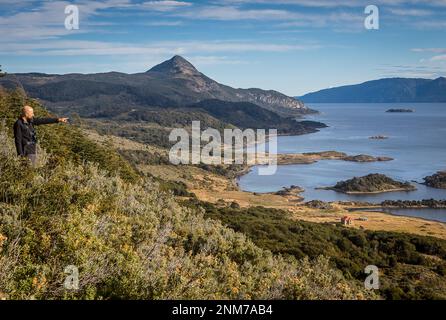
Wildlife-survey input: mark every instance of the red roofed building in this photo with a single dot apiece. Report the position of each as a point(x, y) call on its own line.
point(346, 220)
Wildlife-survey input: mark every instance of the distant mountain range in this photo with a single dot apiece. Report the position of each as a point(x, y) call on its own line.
point(173, 83)
point(384, 90)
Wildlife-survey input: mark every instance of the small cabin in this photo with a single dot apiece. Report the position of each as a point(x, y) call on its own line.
point(346, 220)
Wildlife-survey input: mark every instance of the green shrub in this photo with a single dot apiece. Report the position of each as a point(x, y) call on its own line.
point(130, 239)
point(349, 249)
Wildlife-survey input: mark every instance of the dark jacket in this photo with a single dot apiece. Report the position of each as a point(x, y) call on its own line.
point(25, 135)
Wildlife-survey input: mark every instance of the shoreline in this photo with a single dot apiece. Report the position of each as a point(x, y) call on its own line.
point(378, 220)
point(213, 186)
point(382, 211)
point(307, 158)
point(367, 192)
point(313, 157)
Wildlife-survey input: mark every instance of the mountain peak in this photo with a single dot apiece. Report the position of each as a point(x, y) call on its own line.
point(176, 65)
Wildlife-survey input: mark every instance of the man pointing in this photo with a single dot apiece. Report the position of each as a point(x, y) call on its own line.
point(25, 135)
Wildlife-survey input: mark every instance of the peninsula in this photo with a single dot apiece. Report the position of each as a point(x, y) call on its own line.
point(372, 183)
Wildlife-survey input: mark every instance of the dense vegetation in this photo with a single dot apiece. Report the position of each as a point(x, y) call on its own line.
point(147, 133)
point(68, 143)
point(430, 203)
point(129, 238)
point(411, 266)
point(175, 118)
point(371, 183)
point(85, 205)
point(248, 115)
point(144, 157)
point(153, 125)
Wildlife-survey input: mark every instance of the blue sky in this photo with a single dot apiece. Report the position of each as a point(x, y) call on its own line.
point(293, 46)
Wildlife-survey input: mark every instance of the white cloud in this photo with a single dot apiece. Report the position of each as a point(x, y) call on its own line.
point(336, 19)
point(338, 3)
point(431, 24)
point(436, 50)
point(411, 12)
point(303, 3)
point(424, 69)
point(85, 48)
point(284, 18)
point(234, 13)
point(164, 23)
point(47, 20)
point(439, 58)
point(165, 5)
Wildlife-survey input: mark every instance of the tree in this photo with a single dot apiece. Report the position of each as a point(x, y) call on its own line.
point(2, 74)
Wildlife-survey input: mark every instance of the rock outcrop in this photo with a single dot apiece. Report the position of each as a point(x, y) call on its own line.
point(437, 180)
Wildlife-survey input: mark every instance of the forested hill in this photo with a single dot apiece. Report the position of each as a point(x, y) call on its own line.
point(160, 96)
point(173, 83)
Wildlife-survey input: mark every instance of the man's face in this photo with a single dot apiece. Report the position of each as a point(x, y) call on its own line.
point(29, 113)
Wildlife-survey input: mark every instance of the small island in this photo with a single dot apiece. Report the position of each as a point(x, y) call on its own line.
point(372, 183)
point(292, 193)
point(312, 157)
point(366, 158)
point(379, 137)
point(437, 180)
point(289, 191)
point(401, 110)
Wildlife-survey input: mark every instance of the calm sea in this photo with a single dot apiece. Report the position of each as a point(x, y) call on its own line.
point(417, 142)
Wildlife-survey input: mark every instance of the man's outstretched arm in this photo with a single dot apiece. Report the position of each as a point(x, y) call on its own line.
point(40, 121)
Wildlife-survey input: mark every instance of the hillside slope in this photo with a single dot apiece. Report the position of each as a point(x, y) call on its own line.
point(173, 83)
point(129, 239)
point(248, 115)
